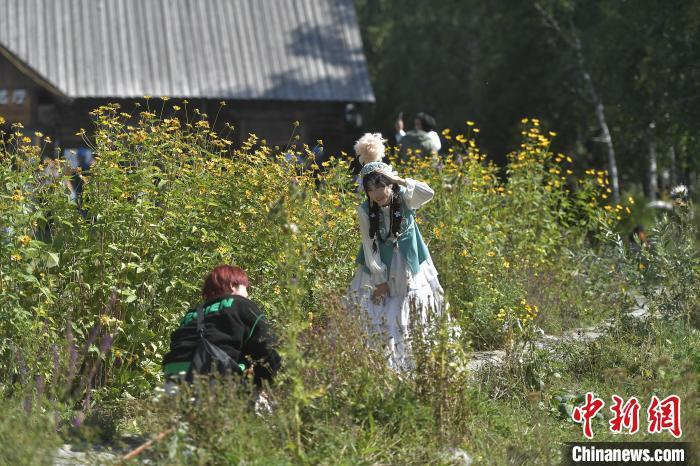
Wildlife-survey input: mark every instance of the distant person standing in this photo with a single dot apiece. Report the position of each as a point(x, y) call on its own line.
point(422, 137)
point(81, 160)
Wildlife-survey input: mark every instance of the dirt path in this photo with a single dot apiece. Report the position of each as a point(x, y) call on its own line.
point(481, 359)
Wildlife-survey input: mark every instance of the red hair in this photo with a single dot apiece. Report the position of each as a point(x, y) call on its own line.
point(221, 279)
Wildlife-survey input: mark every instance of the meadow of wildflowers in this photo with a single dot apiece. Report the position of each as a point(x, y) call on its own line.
point(88, 298)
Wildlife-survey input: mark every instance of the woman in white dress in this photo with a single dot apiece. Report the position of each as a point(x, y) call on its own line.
point(395, 272)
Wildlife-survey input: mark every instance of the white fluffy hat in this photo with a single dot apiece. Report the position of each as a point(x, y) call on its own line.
point(370, 148)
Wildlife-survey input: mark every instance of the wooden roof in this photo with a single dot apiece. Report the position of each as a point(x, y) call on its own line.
point(229, 49)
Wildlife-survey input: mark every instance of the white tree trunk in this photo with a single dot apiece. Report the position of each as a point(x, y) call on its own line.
point(674, 168)
point(653, 174)
point(607, 140)
point(572, 39)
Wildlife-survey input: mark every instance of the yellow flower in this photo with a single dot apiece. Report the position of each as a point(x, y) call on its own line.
point(470, 123)
point(24, 240)
point(15, 258)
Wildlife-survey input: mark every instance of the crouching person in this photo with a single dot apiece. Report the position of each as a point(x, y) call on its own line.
point(227, 333)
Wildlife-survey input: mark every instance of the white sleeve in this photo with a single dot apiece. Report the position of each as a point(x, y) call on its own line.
point(435, 141)
point(417, 193)
point(373, 260)
point(400, 135)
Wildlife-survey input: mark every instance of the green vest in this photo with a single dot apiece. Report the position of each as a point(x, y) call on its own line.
point(410, 243)
point(417, 143)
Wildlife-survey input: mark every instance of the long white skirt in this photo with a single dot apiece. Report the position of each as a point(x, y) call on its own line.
point(389, 322)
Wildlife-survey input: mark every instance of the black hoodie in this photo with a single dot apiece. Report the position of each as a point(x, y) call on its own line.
point(237, 326)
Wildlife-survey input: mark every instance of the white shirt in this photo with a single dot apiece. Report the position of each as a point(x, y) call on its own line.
point(415, 195)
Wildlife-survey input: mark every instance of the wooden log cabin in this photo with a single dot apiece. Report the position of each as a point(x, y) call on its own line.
point(272, 61)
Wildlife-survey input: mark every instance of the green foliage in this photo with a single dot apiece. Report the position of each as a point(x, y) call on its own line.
point(666, 271)
point(27, 439)
point(89, 298)
point(165, 203)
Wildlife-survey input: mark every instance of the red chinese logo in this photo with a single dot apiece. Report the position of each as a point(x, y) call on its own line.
point(665, 415)
point(662, 415)
point(585, 413)
point(626, 416)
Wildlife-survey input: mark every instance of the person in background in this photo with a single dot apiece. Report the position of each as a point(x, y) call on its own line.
point(423, 136)
point(232, 322)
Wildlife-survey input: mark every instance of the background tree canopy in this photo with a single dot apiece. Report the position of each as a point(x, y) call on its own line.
point(499, 61)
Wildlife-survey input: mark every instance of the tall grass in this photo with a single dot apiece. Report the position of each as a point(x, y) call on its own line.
point(88, 298)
